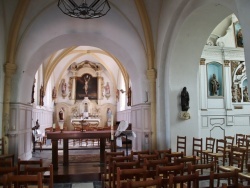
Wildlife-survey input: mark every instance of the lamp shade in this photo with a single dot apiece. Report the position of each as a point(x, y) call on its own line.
point(84, 9)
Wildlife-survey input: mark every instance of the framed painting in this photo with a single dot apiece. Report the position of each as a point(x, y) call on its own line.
point(86, 86)
point(238, 35)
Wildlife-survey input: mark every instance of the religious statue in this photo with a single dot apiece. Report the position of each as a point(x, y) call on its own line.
point(129, 96)
point(107, 90)
point(54, 93)
point(61, 114)
point(86, 82)
point(239, 38)
point(109, 114)
point(33, 91)
point(245, 95)
point(215, 85)
point(184, 99)
point(63, 88)
point(41, 103)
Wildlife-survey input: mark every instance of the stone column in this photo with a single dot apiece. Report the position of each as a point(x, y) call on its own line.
point(203, 84)
point(227, 85)
point(151, 74)
point(9, 69)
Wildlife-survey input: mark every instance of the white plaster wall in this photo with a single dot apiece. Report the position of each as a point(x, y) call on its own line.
point(191, 29)
point(62, 31)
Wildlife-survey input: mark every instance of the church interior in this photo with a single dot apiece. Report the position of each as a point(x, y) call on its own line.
point(132, 64)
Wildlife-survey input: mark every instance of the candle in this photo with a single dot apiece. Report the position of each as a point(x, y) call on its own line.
point(112, 121)
point(54, 126)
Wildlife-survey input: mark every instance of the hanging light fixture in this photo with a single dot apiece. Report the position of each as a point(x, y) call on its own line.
point(84, 9)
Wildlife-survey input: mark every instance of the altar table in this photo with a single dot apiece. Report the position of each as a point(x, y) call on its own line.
point(66, 135)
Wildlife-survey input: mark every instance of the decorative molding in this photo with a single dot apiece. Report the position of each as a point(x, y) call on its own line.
point(202, 61)
point(226, 63)
point(238, 107)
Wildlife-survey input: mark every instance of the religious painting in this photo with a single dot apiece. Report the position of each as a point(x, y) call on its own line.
point(238, 35)
point(86, 86)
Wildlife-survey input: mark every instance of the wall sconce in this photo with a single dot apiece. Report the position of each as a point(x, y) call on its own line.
point(61, 125)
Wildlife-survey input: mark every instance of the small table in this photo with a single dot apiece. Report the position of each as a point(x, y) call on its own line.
point(66, 135)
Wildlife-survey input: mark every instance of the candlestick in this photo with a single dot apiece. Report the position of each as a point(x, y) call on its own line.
point(54, 127)
point(61, 125)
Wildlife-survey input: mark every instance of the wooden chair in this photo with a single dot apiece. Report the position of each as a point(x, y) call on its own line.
point(152, 164)
point(36, 141)
point(165, 171)
point(161, 153)
point(185, 161)
point(47, 174)
point(8, 170)
point(121, 165)
point(136, 154)
point(6, 163)
point(25, 180)
point(4, 181)
point(112, 168)
point(149, 183)
point(245, 176)
point(197, 149)
point(244, 144)
point(107, 156)
point(219, 153)
point(189, 180)
point(135, 174)
point(181, 145)
point(172, 156)
point(203, 170)
point(141, 157)
point(22, 164)
point(215, 178)
point(229, 145)
point(210, 142)
point(237, 137)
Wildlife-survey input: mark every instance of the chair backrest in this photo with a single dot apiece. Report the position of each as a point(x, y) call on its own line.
point(237, 157)
point(141, 157)
point(210, 143)
point(181, 144)
point(221, 146)
point(21, 164)
point(6, 163)
point(135, 174)
point(121, 165)
point(239, 136)
point(172, 156)
point(197, 146)
point(215, 177)
point(229, 140)
point(47, 173)
point(151, 166)
point(25, 180)
point(161, 153)
point(191, 180)
point(136, 154)
point(165, 171)
point(149, 183)
point(185, 161)
point(203, 170)
point(7, 170)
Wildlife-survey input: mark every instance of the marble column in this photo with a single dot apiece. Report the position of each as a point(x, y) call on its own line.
point(203, 84)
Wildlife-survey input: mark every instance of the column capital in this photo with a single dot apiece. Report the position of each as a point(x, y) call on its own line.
point(226, 63)
point(202, 61)
point(151, 74)
point(10, 68)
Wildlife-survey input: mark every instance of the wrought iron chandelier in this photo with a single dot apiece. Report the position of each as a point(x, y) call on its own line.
point(84, 9)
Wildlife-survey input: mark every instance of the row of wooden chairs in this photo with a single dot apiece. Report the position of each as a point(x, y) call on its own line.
point(28, 172)
point(129, 172)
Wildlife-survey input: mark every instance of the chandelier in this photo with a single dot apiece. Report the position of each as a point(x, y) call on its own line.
point(84, 9)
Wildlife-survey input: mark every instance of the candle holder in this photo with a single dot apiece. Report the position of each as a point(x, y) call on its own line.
point(61, 125)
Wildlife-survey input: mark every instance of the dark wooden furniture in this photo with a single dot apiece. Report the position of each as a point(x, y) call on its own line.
point(66, 135)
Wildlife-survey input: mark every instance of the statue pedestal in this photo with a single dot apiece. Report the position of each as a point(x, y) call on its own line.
point(185, 115)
